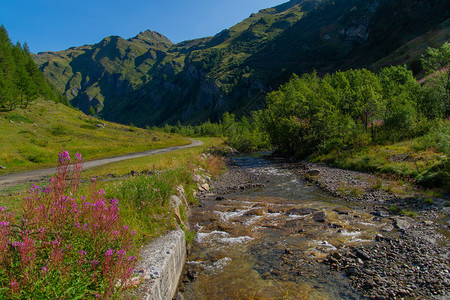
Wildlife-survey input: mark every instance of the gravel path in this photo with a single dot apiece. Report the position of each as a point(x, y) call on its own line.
point(37, 175)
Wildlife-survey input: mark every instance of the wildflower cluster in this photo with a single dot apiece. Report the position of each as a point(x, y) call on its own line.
point(62, 246)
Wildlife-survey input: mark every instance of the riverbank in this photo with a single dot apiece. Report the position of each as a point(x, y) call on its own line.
point(406, 255)
point(412, 263)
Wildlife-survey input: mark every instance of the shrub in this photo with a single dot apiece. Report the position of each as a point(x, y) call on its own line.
point(63, 248)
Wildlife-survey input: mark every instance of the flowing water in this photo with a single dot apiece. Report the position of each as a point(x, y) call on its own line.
point(268, 243)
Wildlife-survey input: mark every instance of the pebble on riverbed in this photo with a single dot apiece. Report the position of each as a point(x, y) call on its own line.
point(404, 267)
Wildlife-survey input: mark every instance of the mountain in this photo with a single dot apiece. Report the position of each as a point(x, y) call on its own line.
point(148, 80)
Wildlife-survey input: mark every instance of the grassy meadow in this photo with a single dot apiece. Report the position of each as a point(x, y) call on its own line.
point(31, 138)
point(143, 199)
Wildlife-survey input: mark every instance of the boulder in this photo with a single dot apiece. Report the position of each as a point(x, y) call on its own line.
point(320, 217)
point(313, 172)
point(402, 224)
point(205, 187)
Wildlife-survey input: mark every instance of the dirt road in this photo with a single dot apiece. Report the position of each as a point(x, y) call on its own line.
point(36, 175)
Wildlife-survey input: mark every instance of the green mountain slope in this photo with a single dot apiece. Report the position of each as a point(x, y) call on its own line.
point(149, 80)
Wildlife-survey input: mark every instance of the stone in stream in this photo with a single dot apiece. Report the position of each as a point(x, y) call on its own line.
point(343, 210)
point(402, 224)
point(320, 217)
point(313, 172)
point(387, 228)
point(363, 255)
point(255, 212)
point(301, 211)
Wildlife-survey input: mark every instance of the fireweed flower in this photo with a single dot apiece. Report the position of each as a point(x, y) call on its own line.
point(82, 252)
point(121, 253)
point(95, 262)
point(2, 208)
point(78, 157)
point(64, 158)
point(4, 224)
point(109, 252)
point(101, 192)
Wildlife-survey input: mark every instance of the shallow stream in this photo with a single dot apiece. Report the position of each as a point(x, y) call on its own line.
point(268, 242)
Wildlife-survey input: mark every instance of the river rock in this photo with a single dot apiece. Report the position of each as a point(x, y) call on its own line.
point(198, 179)
point(255, 212)
point(363, 255)
point(205, 186)
point(313, 172)
point(343, 210)
point(320, 217)
point(381, 213)
point(387, 228)
point(301, 211)
point(402, 224)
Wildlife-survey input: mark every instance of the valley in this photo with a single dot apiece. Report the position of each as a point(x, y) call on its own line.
point(302, 153)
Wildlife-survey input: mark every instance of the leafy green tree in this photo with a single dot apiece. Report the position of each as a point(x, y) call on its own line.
point(400, 91)
point(437, 64)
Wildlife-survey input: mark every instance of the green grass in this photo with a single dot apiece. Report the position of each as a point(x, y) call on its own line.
point(31, 138)
point(424, 159)
point(143, 200)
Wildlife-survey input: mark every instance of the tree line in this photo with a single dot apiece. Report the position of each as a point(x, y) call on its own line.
point(343, 110)
point(21, 81)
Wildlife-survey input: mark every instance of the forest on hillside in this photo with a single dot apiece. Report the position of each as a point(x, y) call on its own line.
point(21, 81)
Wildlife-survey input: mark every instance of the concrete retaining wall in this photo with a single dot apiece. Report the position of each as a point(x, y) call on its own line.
point(161, 264)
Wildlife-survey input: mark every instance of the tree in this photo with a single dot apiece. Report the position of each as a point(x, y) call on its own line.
point(437, 64)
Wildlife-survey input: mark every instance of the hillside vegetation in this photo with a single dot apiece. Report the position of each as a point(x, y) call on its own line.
point(21, 81)
point(384, 122)
point(32, 137)
point(148, 80)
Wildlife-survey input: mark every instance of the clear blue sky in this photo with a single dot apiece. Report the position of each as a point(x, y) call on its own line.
point(53, 25)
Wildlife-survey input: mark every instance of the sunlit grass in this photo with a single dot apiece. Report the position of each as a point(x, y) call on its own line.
point(143, 199)
point(31, 138)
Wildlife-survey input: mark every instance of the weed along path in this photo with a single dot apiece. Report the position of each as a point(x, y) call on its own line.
point(18, 178)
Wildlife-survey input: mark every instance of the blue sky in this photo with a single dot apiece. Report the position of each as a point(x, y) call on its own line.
point(53, 25)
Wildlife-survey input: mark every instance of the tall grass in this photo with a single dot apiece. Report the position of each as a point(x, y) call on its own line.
point(145, 200)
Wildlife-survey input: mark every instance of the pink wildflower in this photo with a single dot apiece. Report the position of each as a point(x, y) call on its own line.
point(64, 158)
point(109, 252)
point(78, 157)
